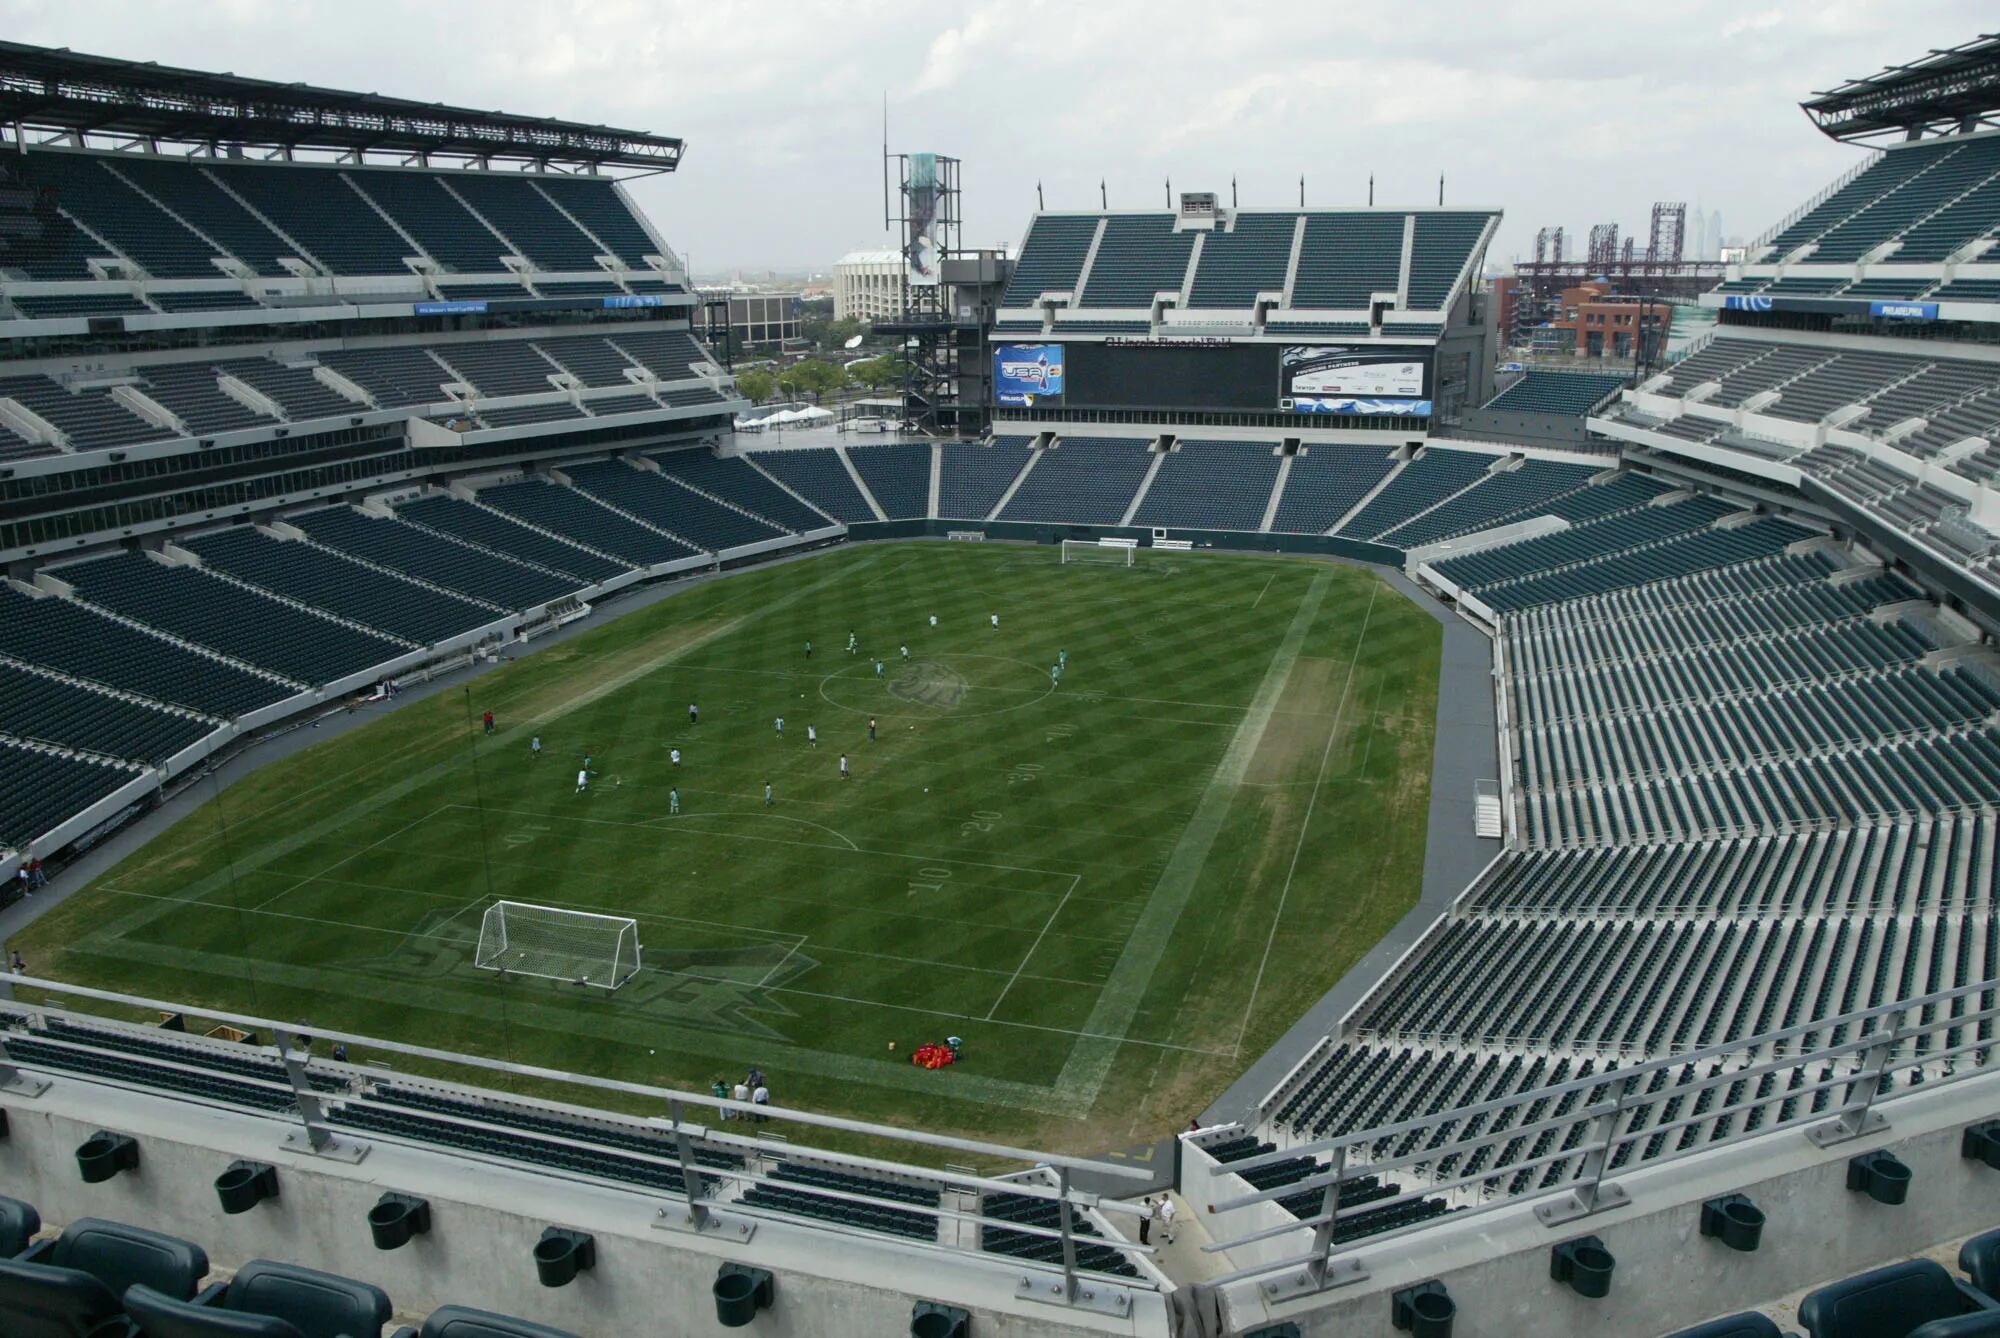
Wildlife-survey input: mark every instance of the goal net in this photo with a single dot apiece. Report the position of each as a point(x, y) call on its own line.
point(1116, 554)
point(600, 950)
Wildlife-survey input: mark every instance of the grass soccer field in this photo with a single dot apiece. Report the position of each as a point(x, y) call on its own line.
point(1118, 890)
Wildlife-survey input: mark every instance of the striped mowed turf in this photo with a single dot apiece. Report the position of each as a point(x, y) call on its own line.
point(1117, 889)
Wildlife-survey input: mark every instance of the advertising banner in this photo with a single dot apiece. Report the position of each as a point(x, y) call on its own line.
point(1336, 379)
point(920, 200)
point(1025, 375)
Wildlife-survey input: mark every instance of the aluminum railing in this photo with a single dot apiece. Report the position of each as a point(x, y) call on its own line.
point(1837, 1090)
point(316, 1094)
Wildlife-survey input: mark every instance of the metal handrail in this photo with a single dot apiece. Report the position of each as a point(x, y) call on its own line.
point(1880, 1044)
point(322, 1131)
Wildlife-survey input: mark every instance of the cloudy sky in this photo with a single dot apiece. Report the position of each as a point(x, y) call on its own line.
point(1560, 114)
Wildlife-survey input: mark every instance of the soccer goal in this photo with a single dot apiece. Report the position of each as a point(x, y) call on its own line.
point(1106, 552)
point(546, 941)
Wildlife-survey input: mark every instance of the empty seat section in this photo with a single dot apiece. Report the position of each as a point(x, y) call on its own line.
point(899, 476)
point(122, 216)
point(524, 217)
point(499, 367)
point(404, 548)
point(189, 391)
point(592, 359)
point(679, 510)
point(446, 229)
point(1572, 394)
point(1246, 260)
point(41, 709)
point(211, 612)
point(1051, 257)
point(398, 376)
point(181, 186)
point(1139, 255)
point(91, 419)
point(501, 534)
point(1497, 499)
point(316, 208)
point(975, 478)
point(1326, 482)
point(566, 512)
point(1440, 249)
point(595, 203)
point(666, 353)
point(1082, 481)
point(1215, 485)
point(1346, 258)
point(340, 585)
point(817, 474)
point(65, 636)
point(732, 480)
point(1427, 480)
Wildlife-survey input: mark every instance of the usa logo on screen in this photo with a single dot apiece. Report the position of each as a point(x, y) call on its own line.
point(1042, 375)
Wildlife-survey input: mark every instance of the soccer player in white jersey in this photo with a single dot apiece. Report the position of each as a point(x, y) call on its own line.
point(995, 620)
point(583, 780)
point(812, 735)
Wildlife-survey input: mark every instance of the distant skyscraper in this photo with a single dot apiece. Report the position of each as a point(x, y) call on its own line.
point(1699, 251)
point(1714, 236)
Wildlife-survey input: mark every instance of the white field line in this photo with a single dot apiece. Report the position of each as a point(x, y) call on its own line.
point(1046, 926)
point(1305, 824)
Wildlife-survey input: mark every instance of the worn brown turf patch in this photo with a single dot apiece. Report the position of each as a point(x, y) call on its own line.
point(1293, 742)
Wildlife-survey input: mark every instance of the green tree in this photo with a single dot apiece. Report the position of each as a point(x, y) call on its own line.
point(878, 373)
point(757, 386)
point(817, 378)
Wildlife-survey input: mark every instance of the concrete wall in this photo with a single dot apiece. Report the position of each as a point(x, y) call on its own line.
point(485, 1221)
point(1496, 1265)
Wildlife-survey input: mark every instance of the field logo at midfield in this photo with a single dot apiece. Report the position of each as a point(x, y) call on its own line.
point(930, 684)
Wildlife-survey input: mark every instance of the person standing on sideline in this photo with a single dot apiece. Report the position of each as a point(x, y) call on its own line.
point(1146, 1224)
point(489, 722)
point(740, 1092)
point(809, 650)
point(760, 1096)
point(673, 800)
point(812, 736)
point(720, 1090)
point(16, 965)
point(674, 756)
point(767, 794)
point(781, 728)
point(871, 729)
point(535, 748)
point(694, 714)
point(1167, 1218)
point(843, 766)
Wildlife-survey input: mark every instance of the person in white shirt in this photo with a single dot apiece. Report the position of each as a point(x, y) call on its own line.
point(996, 620)
point(761, 1097)
point(812, 736)
point(674, 755)
point(781, 727)
point(1167, 1218)
point(583, 780)
point(933, 620)
point(843, 766)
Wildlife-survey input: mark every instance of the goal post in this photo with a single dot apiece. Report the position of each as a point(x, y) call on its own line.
point(1103, 552)
point(558, 944)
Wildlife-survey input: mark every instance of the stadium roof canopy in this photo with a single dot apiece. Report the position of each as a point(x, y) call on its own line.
point(1944, 91)
point(59, 90)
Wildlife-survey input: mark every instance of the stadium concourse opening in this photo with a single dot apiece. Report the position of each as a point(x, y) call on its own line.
point(397, 633)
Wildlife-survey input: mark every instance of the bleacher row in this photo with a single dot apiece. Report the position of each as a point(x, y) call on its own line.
point(134, 658)
point(1755, 787)
point(734, 1171)
point(1437, 494)
point(198, 396)
point(176, 219)
point(1344, 258)
point(1923, 405)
